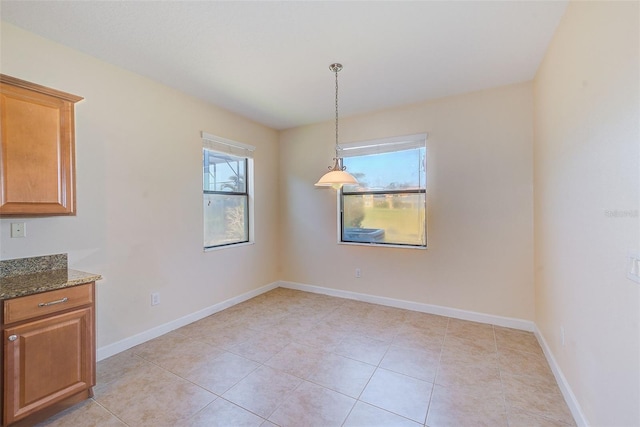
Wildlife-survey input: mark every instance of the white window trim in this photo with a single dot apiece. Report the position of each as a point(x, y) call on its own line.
point(382, 145)
point(219, 144)
point(251, 240)
point(223, 145)
point(374, 146)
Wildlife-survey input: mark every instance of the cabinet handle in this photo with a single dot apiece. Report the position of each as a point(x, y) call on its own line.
point(60, 301)
point(12, 337)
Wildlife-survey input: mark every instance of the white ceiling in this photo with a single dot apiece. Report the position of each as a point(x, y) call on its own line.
point(269, 60)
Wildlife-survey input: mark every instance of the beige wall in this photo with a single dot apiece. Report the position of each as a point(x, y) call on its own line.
point(587, 166)
point(480, 206)
point(139, 195)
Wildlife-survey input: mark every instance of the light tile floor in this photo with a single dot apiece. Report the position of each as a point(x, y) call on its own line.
point(291, 358)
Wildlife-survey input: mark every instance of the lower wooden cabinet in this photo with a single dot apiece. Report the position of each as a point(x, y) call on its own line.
point(48, 359)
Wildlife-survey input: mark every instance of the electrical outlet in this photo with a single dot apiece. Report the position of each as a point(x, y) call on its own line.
point(358, 273)
point(155, 298)
point(18, 229)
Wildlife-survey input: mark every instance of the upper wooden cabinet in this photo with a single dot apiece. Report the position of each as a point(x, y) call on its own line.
point(37, 145)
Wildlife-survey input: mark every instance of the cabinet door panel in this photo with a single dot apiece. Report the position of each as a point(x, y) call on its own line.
point(37, 171)
point(50, 360)
point(31, 137)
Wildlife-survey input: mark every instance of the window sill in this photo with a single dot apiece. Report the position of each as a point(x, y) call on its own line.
point(235, 245)
point(381, 245)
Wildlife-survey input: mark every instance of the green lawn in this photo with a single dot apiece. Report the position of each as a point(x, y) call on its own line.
point(400, 225)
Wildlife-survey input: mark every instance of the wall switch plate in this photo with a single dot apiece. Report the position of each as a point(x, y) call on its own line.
point(358, 273)
point(18, 229)
point(155, 298)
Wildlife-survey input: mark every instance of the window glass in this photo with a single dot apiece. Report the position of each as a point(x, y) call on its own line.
point(226, 199)
point(226, 219)
point(388, 171)
point(384, 218)
point(388, 206)
point(224, 172)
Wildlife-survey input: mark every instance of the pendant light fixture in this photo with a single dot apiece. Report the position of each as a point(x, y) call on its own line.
point(336, 177)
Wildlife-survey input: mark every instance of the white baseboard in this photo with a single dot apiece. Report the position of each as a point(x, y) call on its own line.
point(569, 397)
point(507, 322)
point(127, 343)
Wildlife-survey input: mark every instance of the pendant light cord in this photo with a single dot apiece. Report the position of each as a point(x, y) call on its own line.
point(336, 177)
point(336, 72)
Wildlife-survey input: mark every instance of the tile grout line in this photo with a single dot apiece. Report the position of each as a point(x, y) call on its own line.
point(435, 377)
point(500, 372)
point(106, 409)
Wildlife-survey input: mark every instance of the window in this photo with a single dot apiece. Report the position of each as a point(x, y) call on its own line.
point(388, 206)
point(227, 188)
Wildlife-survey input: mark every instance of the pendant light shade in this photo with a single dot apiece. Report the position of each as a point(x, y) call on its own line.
point(336, 177)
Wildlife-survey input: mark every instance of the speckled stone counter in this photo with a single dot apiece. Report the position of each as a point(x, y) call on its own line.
point(26, 276)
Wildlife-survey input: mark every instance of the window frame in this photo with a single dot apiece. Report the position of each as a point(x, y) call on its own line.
point(224, 146)
point(370, 146)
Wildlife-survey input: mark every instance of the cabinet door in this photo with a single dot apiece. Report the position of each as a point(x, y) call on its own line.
point(47, 361)
point(38, 152)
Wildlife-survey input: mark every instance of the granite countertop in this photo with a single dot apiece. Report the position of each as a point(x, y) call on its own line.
point(27, 276)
